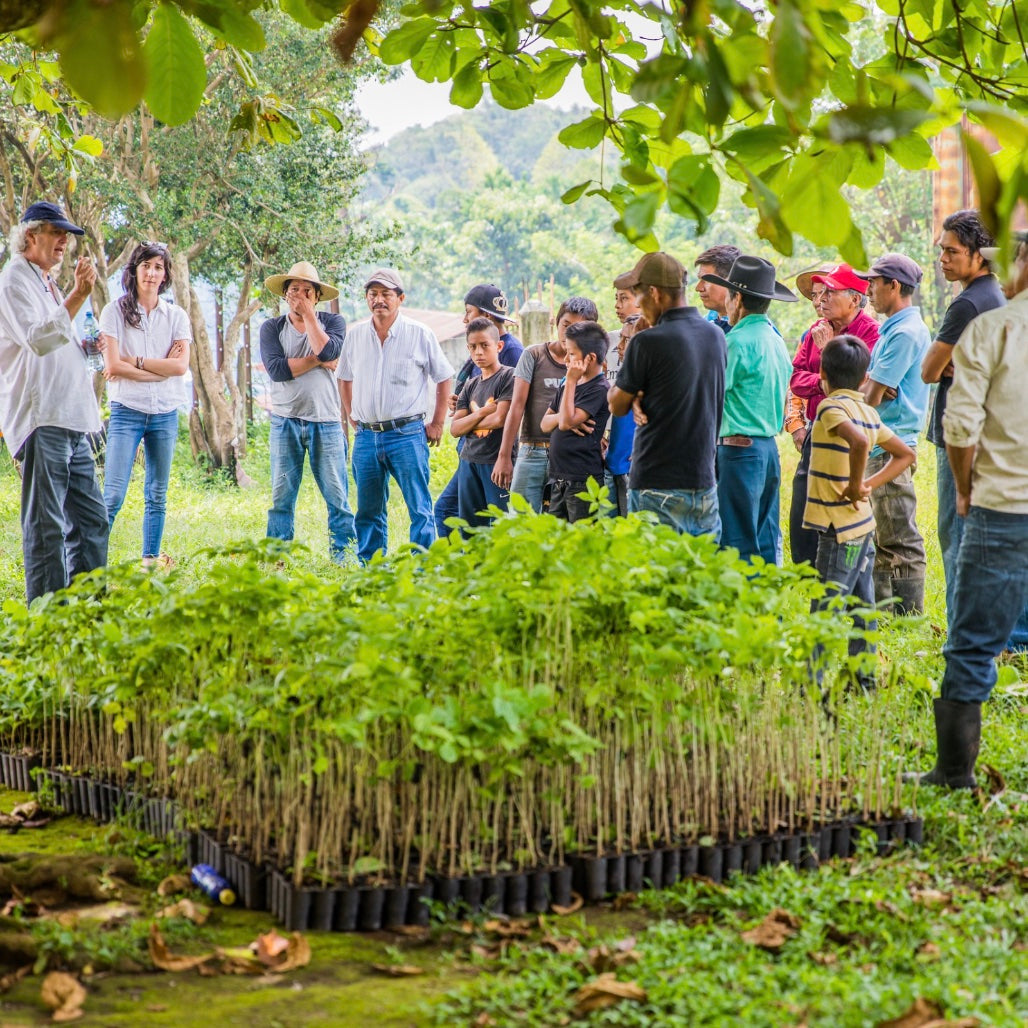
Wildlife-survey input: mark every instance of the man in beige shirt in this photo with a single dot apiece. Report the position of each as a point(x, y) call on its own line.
point(986, 431)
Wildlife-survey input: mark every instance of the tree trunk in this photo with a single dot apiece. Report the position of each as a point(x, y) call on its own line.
point(213, 419)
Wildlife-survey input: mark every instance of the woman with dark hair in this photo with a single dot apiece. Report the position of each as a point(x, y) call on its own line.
point(145, 340)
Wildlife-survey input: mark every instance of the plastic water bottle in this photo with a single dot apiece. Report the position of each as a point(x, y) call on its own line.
point(91, 344)
point(211, 884)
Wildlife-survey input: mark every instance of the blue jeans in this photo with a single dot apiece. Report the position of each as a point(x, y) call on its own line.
point(325, 444)
point(531, 471)
point(990, 594)
point(476, 491)
point(687, 511)
point(158, 433)
point(847, 569)
point(748, 480)
point(447, 505)
point(402, 453)
point(63, 519)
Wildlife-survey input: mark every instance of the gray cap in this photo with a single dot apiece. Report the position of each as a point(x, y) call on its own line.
point(895, 266)
point(385, 277)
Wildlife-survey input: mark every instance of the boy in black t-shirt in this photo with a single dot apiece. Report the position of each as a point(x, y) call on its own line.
point(581, 400)
point(479, 415)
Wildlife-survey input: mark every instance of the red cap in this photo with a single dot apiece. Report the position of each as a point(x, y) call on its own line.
point(844, 277)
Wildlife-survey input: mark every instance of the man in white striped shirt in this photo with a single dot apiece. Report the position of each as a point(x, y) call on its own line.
point(391, 369)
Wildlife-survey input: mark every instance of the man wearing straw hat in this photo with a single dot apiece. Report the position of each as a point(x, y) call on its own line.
point(300, 350)
point(756, 378)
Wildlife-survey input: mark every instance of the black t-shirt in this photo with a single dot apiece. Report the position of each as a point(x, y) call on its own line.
point(983, 294)
point(573, 457)
point(483, 444)
point(679, 364)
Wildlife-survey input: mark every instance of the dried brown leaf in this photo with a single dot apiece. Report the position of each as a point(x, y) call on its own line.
point(929, 951)
point(270, 947)
point(995, 783)
point(195, 912)
point(625, 900)
point(932, 897)
point(165, 960)
point(27, 811)
point(923, 1013)
point(561, 944)
point(605, 991)
point(509, 929)
point(64, 995)
point(14, 977)
point(773, 932)
point(298, 954)
point(824, 959)
point(398, 970)
point(483, 1021)
point(173, 884)
point(576, 904)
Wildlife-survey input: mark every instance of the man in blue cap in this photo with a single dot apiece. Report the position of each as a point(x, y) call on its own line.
point(47, 405)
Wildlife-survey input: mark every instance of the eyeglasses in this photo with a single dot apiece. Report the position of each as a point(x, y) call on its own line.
point(163, 247)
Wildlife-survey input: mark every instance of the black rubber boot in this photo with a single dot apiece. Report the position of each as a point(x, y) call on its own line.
point(883, 590)
point(909, 592)
point(958, 734)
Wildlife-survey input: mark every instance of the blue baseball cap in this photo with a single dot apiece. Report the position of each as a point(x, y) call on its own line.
point(43, 211)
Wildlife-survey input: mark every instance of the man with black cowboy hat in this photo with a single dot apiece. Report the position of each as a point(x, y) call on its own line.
point(391, 367)
point(482, 301)
point(300, 350)
point(676, 370)
point(749, 473)
point(47, 404)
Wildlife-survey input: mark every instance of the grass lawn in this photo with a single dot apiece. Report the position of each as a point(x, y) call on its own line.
point(866, 939)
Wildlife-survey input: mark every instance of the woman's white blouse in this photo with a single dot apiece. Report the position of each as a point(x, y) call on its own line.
point(157, 331)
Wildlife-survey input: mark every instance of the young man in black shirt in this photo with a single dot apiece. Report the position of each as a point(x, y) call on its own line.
point(575, 458)
point(961, 259)
point(676, 370)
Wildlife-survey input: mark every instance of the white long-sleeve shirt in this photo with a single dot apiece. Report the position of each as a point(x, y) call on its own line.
point(44, 380)
point(987, 408)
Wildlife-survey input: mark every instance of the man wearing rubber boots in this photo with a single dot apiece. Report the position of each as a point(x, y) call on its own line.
point(985, 426)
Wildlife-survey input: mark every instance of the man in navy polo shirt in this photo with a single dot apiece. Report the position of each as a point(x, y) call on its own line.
point(676, 370)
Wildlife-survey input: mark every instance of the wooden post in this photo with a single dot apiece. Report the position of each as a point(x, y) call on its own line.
point(535, 322)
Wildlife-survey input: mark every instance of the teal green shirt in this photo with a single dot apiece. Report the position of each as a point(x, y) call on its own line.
point(756, 378)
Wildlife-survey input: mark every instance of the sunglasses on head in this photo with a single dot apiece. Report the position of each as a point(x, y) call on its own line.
point(154, 244)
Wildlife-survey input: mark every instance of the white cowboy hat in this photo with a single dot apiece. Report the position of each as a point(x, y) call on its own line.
point(306, 272)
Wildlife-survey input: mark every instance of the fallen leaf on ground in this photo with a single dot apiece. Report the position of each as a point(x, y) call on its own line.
point(771, 934)
point(64, 995)
point(195, 912)
point(625, 900)
point(14, 977)
point(270, 947)
point(923, 1013)
point(103, 914)
point(932, 897)
point(559, 944)
point(995, 783)
point(605, 958)
point(824, 959)
point(173, 884)
point(509, 929)
point(576, 904)
point(298, 954)
point(929, 951)
point(164, 959)
point(604, 992)
point(398, 970)
point(30, 809)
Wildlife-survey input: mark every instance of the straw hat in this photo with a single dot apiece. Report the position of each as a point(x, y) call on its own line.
point(305, 271)
point(803, 279)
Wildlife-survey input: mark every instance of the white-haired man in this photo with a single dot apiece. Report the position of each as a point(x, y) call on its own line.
point(47, 404)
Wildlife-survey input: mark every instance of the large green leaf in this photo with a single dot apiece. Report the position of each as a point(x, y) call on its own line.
point(791, 65)
point(467, 86)
point(177, 74)
point(812, 204)
point(585, 134)
point(101, 59)
point(402, 43)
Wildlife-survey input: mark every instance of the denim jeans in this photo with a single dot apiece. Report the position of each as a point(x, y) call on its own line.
point(748, 480)
point(325, 444)
point(564, 501)
point(951, 525)
point(687, 511)
point(847, 569)
point(403, 454)
point(617, 493)
point(158, 433)
point(531, 471)
point(990, 594)
point(476, 491)
point(63, 519)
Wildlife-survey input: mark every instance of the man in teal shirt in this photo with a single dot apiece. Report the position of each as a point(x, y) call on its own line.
point(749, 473)
point(894, 385)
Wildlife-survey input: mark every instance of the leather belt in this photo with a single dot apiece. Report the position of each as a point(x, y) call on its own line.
point(735, 440)
point(388, 426)
point(536, 446)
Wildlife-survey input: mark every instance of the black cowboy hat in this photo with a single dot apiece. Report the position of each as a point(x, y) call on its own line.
point(753, 276)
